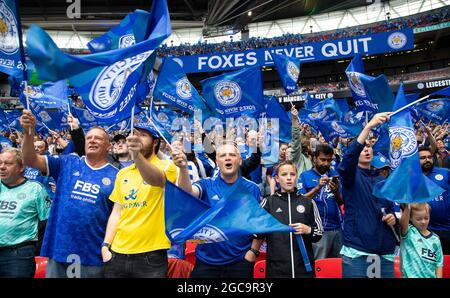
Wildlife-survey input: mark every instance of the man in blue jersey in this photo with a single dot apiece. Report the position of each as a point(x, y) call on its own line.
point(440, 206)
point(226, 259)
point(321, 184)
point(80, 209)
point(23, 204)
point(369, 242)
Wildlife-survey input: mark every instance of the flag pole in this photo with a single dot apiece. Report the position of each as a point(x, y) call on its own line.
point(156, 127)
point(27, 101)
point(408, 105)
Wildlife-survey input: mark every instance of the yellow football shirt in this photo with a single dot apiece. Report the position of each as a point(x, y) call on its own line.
point(141, 227)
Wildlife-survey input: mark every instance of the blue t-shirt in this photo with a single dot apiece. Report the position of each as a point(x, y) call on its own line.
point(440, 206)
point(330, 213)
point(125, 163)
point(80, 209)
point(256, 174)
point(234, 249)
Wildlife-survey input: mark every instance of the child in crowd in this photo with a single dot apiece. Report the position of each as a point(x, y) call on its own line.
point(420, 249)
point(284, 258)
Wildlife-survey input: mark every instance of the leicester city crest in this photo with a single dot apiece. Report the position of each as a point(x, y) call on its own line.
point(45, 116)
point(126, 41)
point(33, 92)
point(403, 144)
point(355, 83)
point(337, 128)
point(9, 33)
point(184, 88)
point(317, 115)
point(88, 116)
point(292, 70)
point(397, 40)
point(435, 106)
point(109, 84)
point(228, 93)
point(162, 117)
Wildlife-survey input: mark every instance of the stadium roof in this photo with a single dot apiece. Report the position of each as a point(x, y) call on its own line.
point(100, 15)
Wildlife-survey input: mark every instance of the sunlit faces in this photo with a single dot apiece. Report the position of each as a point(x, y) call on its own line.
point(228, 160)
point(97, 142)
point(286, 177)
point(420, 216)
point(10, 168)
point(147, 140)
point(426, 160)
point(40, 147)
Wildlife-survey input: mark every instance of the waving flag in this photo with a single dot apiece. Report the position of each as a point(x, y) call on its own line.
point(289, 71)
point(164, 118)
point(174, 88)
point(48, 95)
point(235, 93)
point(5, 142)
point(406, 183)
point(86, 119)
point(53, 65)
point(436, 110)
point(11, 50)
point(12, 116)
point(275, 110)
point(378, 92)
point(354, 72)
point(333, 129)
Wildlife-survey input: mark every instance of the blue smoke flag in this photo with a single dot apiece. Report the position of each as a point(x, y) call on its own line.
point(354, 72)
point(275, 110)
point(12, 57)
point(289, 71)
point(406, 183)
point(235, 93)
point(53, 65)
point(333, 129)
point(174, 88)
point(436, 110)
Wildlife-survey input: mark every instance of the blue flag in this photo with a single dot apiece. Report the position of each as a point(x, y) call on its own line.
point(436, 110)
point(5, 142)
point(12, 56)
point(354, 72)
point(333, 129)
point(275, 110)
point(235, 93)
point(289, 70)
point(378, 92)
point(406, 183)
point(174, 88)
point(86, 119)
point(236, 215)
point(53, 65)
point(383, 143)
point(310, 101)
point(442, 92)
point(12, 116)
point(48, 95)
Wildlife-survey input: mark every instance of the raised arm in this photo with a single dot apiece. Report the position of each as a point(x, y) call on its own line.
point(184, 182)
point(30, 157)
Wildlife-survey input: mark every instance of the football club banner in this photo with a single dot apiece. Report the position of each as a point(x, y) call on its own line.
point(149, 31)
point(12, 116)
point(48, 95)
point(173, 87)
point(378, 92)
point(5, 142)
point(86, 119)
point(310, 101)
point(289, 71)
point(275, 110)
point(406, 183)
point(11, 50)
point(436, 110)
point(235, 93)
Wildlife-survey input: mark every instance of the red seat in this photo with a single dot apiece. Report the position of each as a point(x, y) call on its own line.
point(41, 265)
point(329, 268)
point(398, 273)
point(446, 269)
point(259, 271)
point(262, 256)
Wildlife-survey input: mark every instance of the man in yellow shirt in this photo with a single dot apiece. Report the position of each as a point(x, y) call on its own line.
point(135, 243)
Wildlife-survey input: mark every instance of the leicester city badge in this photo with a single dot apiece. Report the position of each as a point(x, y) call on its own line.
point(355, 83)
point(227, 93)
point(9, 33)
point(292, 70)
point(397, 40)
point(403, 144)
point(183, 88)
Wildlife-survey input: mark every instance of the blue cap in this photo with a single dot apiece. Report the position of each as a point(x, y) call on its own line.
point(379, 162)
point(148, 127)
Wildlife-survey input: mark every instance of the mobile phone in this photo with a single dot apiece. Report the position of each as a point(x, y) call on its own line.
point(335, 180)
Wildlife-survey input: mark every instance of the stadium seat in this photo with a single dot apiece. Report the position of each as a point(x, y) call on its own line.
point(446, 269)
point(41, 265)
point(262, 256)
point(179, 268)
point(259, 271)
point(398, 273)
point(329, 268)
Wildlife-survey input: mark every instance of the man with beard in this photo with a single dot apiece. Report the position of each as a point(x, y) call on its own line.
point(440, 206)
point(136, 230)
point(321, 184)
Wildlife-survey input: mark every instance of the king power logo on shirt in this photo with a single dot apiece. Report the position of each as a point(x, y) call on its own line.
point(85, 191)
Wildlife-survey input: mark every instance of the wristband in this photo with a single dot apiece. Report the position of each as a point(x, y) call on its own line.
point(106, 244)
point(256, 252)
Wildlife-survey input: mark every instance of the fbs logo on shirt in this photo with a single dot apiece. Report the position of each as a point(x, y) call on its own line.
point(132, 195)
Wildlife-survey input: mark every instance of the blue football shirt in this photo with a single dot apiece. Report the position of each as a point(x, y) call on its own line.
point(80, 209)
point(440, 206)
point(234, 249)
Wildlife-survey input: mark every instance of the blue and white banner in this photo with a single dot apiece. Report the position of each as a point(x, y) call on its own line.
point(326, 50)
point(289, 70)
point(235, 93)
point(436, 110)
point(11, 50)
point(48, 95)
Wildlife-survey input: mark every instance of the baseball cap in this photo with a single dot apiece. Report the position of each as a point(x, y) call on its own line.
point(148, 127)
point(379, 162)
